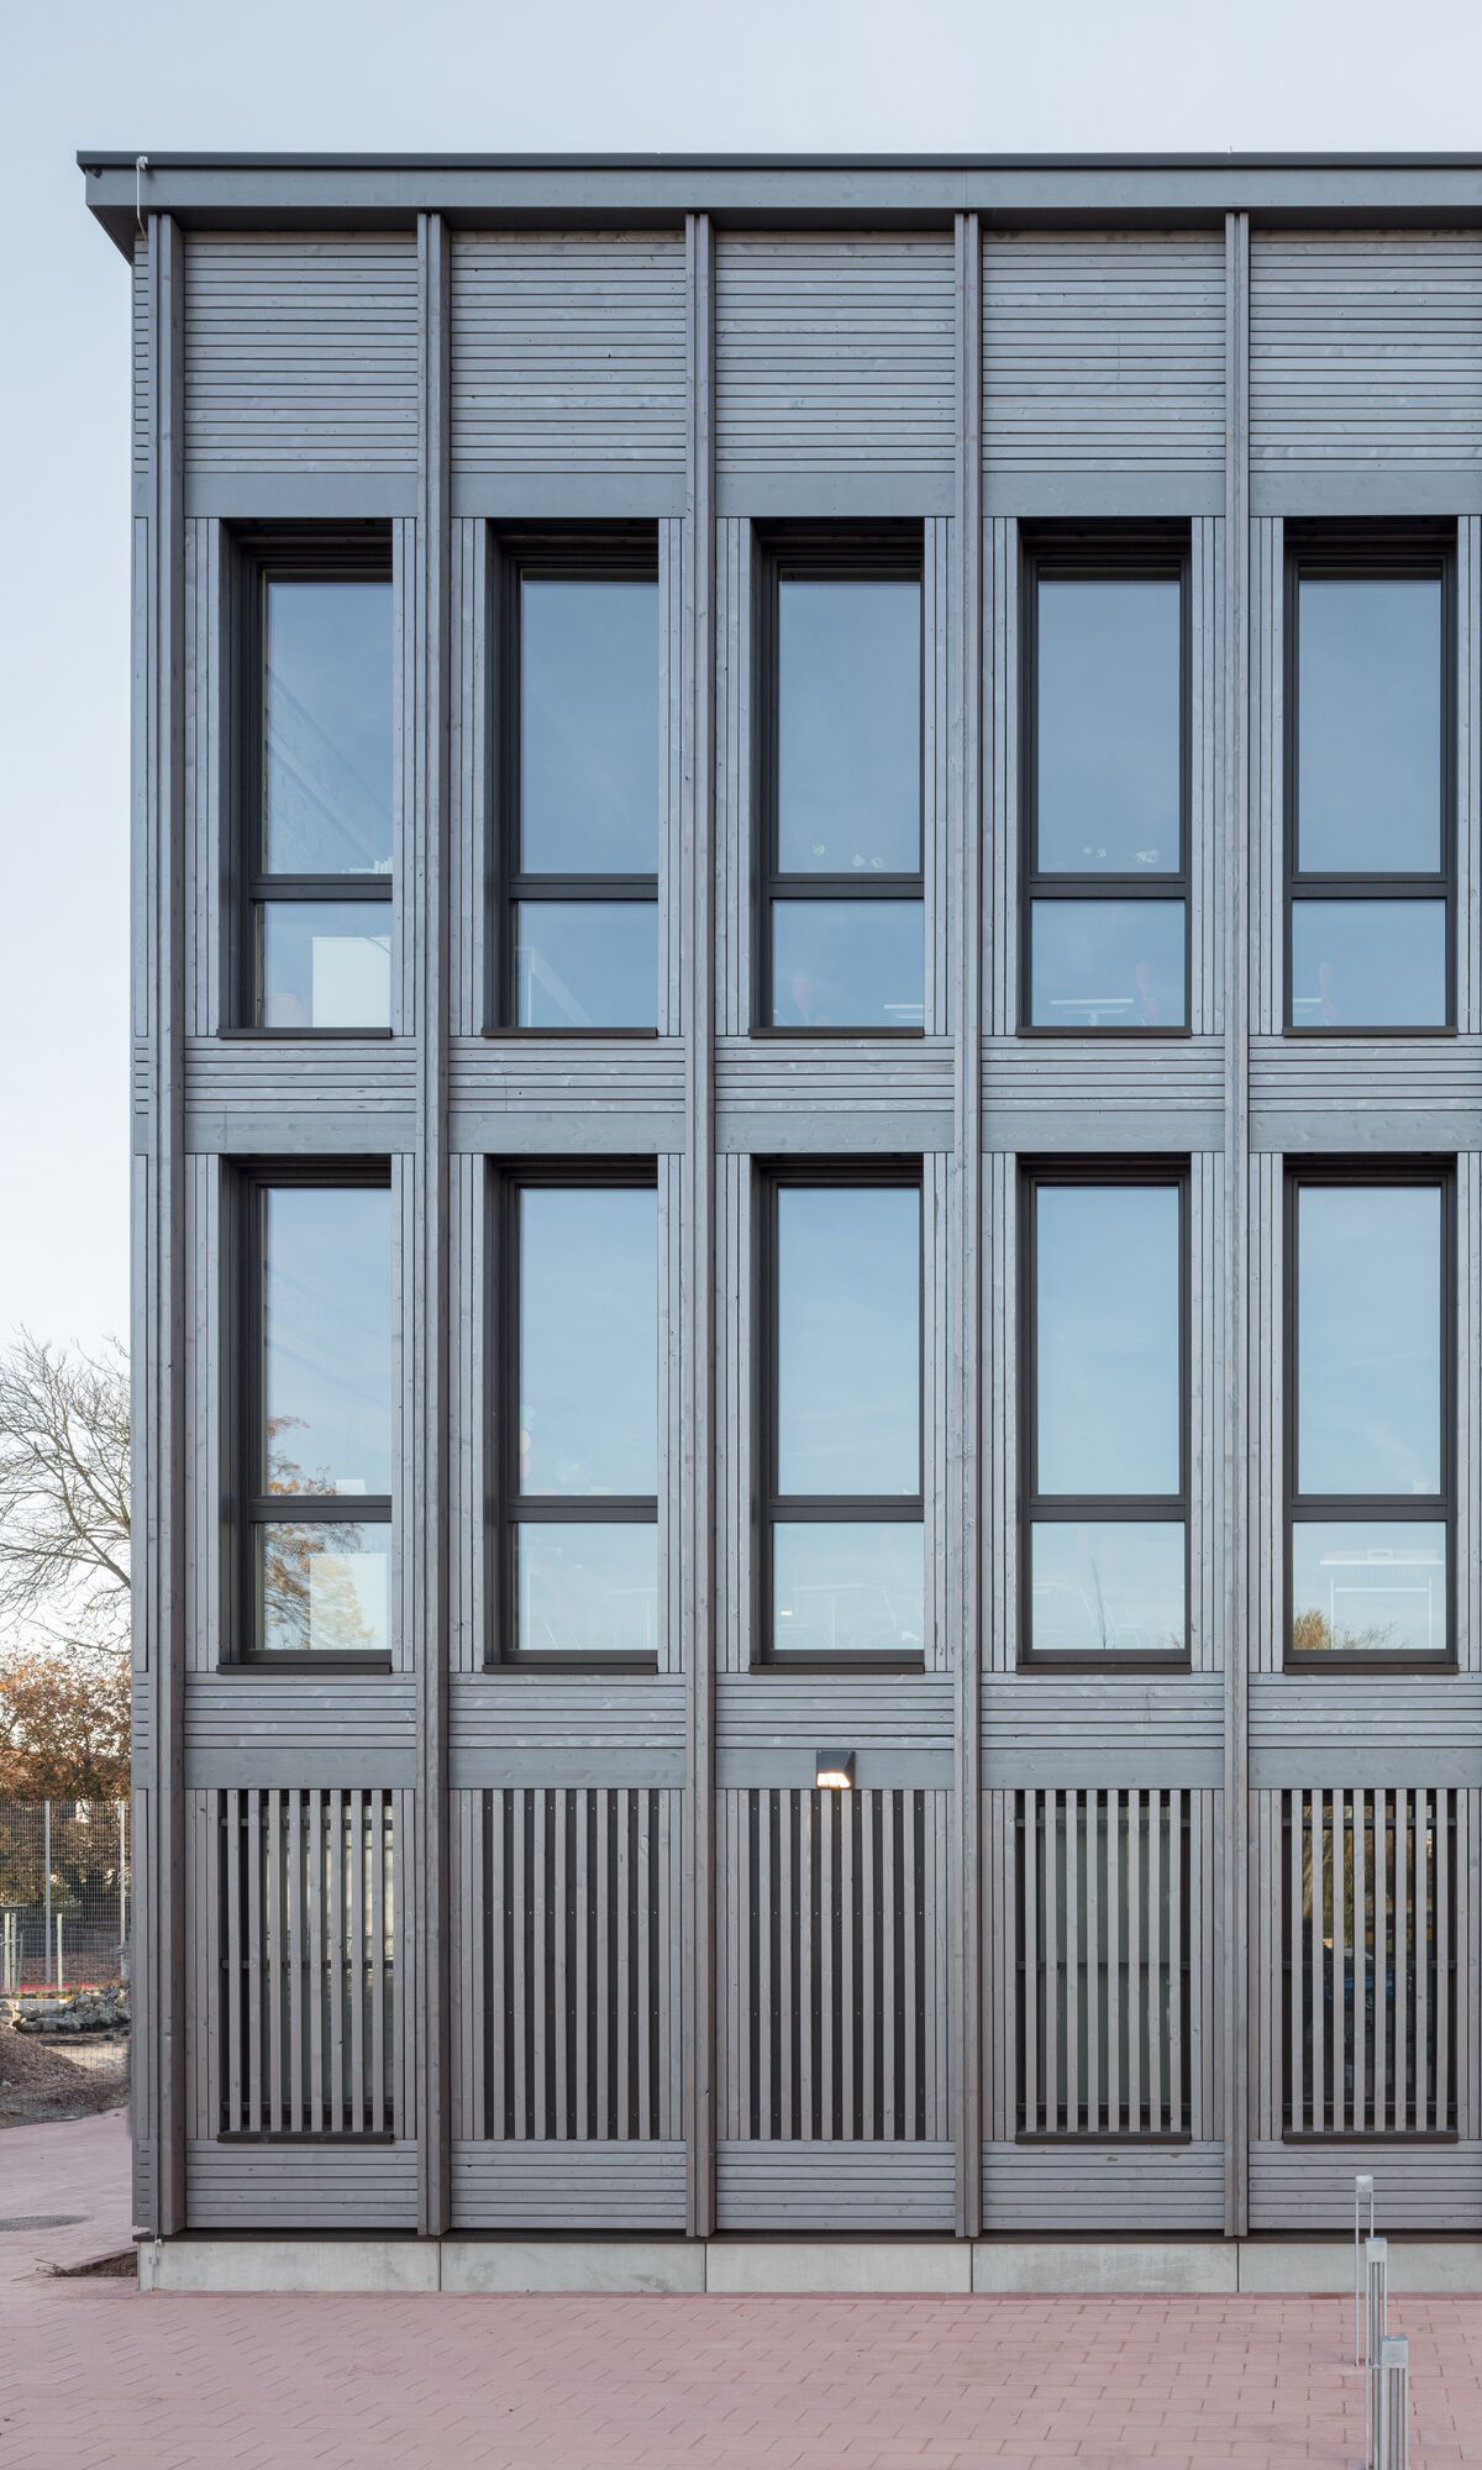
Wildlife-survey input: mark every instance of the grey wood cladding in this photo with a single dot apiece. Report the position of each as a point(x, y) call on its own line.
point(614, 2010)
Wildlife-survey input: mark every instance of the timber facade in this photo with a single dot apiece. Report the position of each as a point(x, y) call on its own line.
point(1160, 1928)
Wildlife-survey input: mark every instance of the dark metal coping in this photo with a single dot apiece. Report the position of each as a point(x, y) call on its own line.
point(385, 191)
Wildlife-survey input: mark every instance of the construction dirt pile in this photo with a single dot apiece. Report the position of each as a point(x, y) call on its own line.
point(39, 2082)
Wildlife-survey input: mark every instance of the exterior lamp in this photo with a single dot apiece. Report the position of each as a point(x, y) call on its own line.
point(834, 1771)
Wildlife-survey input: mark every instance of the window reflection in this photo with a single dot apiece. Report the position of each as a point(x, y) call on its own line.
point(327, 726)
point(1107, 1587)
point(849, 725)
point(587, 1590)
point(848, 964)
point(324, 1587)
point(1364, 964)
point(847, 1588)
point(1370, 1587)
point(848, 1340)
point(326, 1333)
point(325, 965)
point(589, 725)
point(1107, 1338)
point(1108, 741)
point(1369, 1339)
point(1369, 723)
point(587, 964)
point(1107, 964)
point(589, 1341)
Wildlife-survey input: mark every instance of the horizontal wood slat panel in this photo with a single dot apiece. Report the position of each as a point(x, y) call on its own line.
point(301, 352)
point(1366, 348)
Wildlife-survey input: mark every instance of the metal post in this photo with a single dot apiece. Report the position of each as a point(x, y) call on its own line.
point(1392, 2404)
point(1363, 2190)
point(46, 1892)
point(59, 1951)
point(123, 1900)
point(1376, 2319)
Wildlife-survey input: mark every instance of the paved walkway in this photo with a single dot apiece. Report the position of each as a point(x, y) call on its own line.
point(96, 2376)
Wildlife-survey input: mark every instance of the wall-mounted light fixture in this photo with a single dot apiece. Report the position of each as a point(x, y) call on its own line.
point(833, 1770)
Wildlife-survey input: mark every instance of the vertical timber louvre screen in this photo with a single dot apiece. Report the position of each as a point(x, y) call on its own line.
point(571, 1939)
point(835, 1907)
point(1104, 1913)
point(311, 1999)
point(1369, 1900)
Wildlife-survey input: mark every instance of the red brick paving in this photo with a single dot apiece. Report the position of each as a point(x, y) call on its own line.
point(96, 2376)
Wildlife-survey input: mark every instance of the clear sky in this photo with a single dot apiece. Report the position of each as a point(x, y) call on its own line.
point(965, 75)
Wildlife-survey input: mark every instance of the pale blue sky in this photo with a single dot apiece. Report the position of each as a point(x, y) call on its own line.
point(672, 74)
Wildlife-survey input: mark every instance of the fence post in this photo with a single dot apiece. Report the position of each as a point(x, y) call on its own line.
point(1363, 2188)
point(123, 1891)
point(46, 1865)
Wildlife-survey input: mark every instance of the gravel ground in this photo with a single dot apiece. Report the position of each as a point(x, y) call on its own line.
point(38, 2082)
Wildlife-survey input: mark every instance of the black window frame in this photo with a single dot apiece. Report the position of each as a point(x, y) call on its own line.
point(307, 553)
point(1415, 1509)
point(605, 553)
point(1099, 554)
point(246, 1411)
point(842, 553)
point(1108, 1172)
point(1366, 553)
point(774, 1508)
point(509, 1508)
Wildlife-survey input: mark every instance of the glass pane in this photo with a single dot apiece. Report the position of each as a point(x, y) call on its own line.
point(324, 1589)
point(849, 727)
point(848, 1339)
point(1107, 1338)
point(327, 727)
point(325, 965)
point(1107, 1588)
point(1369, 1587)
point(1369, 1338)
point(1369, 727)
point(589, 1340)
point(1107, 964)
point(587, 1590)
point(587, 965)
point(1108, 740)
point(848, 1589)
point(589, 726)
point(1369, 964)
point(327, 1339)
point(848, 964)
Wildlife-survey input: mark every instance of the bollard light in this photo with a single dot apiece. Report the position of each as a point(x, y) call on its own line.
point(1363, 2193)
point(1376, 2319)
point(1392, 2404)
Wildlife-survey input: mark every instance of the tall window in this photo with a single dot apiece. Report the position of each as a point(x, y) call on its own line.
point(1104, 1432)
point(318, 1411)
point(842, 1572)
point(319, 791)
point(1369, 1452)
point(1369, 786)
point(1105, 784)
point(582, 803)
point(579, 1526)
point(842, 941)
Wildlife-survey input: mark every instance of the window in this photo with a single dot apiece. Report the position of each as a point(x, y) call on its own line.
point(1369, 1415)
point(842, 1574)
point(842, 942)
point(319, 780)
point(1369, 784)
point(579, 1526)
point(1104, 1560)
point(1369, 1951)
point(319, 1439)
point(1105, 783)
point(1104, 1909)
point(582, 798)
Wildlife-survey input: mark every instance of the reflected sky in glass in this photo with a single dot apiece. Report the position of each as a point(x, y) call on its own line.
point(848, 964)
point(1105, 1587)
point(1107, 1338)
point(848, 1339)
point(1107, 964)
point(326, 965)
point(1369, 1339)
point(1368, 964)
point(1368, 1587)
point(327, 1339)
point(849, 727)
point(589, 726)
point(1108, 740)
point(587, 964)
point(324, 1590)
point(589, 1340)
point(327, 727)
point(848, 1588)
point(1369, 724)
point(587, 1590)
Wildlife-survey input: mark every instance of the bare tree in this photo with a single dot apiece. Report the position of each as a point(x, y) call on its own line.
point(64, 1492)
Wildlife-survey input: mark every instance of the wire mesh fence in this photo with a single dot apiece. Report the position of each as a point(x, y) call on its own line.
point(64, 1895)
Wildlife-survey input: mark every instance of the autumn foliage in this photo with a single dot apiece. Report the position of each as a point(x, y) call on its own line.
point(64, 1727)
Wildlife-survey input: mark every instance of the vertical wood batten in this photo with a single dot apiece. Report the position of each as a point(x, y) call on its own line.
point(697, 1465)
point(424, 1508)
point(965, 1344)
point(1235, 1470)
